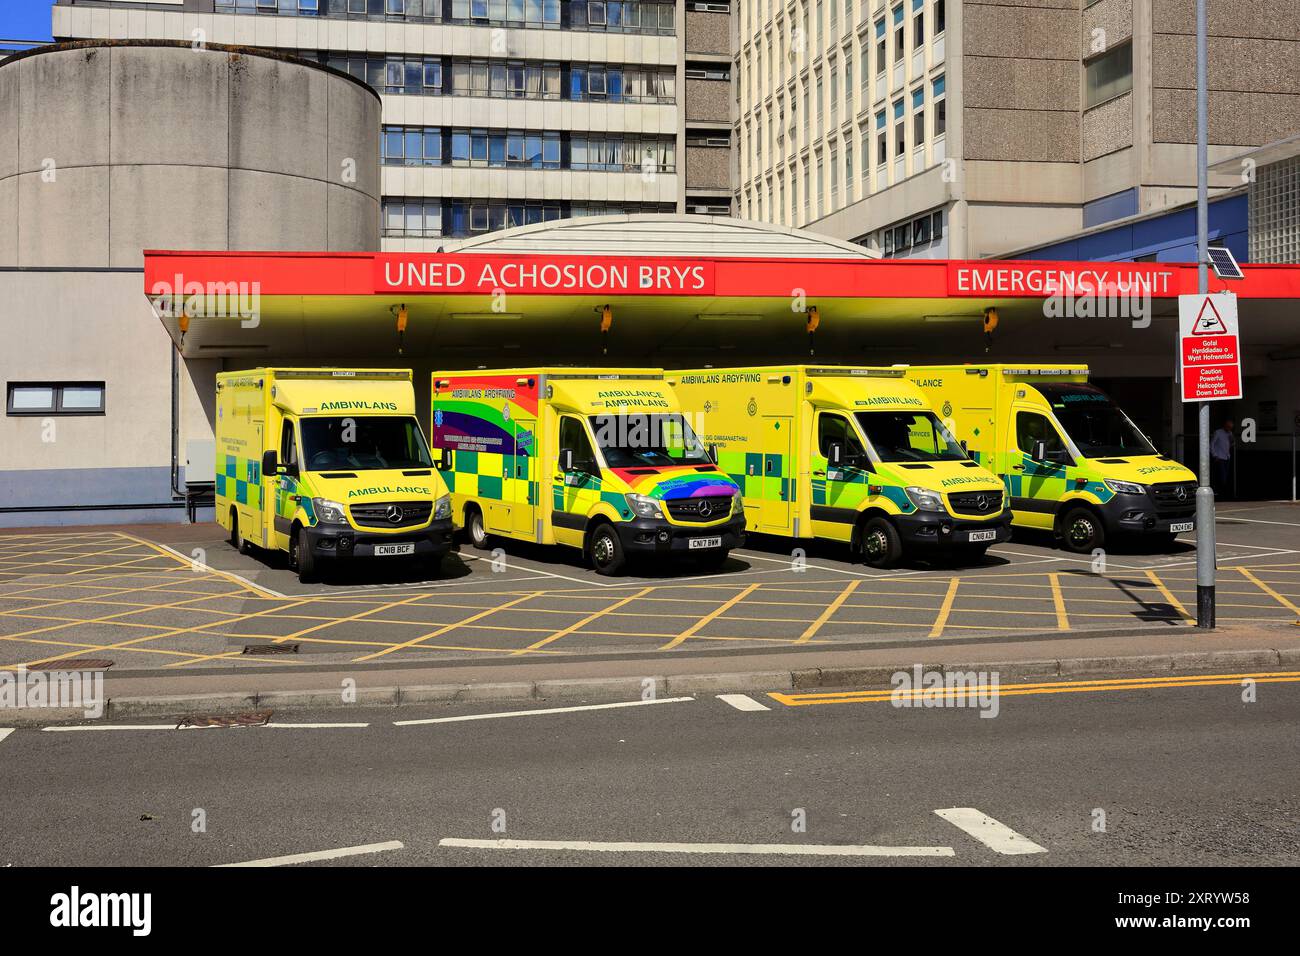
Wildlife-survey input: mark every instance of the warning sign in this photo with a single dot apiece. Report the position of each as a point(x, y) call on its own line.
point(1210, 347)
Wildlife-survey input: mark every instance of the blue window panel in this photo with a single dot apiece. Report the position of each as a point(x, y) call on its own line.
point(898, 14)
point(1110, 208)
point(880, 29)
point(918, 98)
point(939, 86)
point(898, 110)
point(880, 120)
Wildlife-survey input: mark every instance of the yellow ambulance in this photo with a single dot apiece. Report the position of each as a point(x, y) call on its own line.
point(597, 459)
point(327, 463)
point(849, 454)
point(1072, 461)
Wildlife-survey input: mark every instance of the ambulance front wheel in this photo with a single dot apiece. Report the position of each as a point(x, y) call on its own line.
point(606, 550)
point(301, 558)
point(879, 543)
point(476, 530)
point(1082, 531)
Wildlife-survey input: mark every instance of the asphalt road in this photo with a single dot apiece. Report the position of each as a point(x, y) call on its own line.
point(1187, 775)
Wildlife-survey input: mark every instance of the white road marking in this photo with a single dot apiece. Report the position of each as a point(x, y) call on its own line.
point(321, 855)
point(772, 849)
point(996, 836)
point(5, 732)
point(541, 712)
point(742, 702)
point(189, 559)
point(320, 726)
point(1223, 519)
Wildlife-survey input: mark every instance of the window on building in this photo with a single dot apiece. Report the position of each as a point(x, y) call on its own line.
point(882, 145)
point(848, 171)
point(1109, 75)
point(918, 116)
point(940, 107)
point(899, 35)
point(940, 22)
point(835, 181)
point(918, 24)
point(900, 133)
point(881, 52)
point(56, 398)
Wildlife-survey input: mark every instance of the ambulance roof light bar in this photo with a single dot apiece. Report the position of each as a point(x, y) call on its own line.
point(1074, 370)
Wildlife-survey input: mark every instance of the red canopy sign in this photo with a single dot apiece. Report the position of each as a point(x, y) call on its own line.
point(542, 275)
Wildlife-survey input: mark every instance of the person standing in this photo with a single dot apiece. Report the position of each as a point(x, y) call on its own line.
point(1221, 450)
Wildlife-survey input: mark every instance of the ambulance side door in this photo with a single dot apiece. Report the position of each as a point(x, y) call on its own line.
point(837, 489)
point(1036, 486)
point(576, 491)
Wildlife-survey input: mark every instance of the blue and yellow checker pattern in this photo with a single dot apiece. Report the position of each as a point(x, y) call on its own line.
point(240, 479)
point(493, 477)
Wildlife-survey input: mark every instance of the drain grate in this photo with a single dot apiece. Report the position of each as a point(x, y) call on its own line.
point(73, 664)
point(252, 718)
point(270, 649)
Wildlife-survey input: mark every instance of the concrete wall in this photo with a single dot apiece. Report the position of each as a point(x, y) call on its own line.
point(708, 100)
point(708, 167)
point(108, 150)
point(708, 32)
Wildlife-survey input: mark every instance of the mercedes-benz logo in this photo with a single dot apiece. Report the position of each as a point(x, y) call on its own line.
point(394, 514)
point(982, 502)
point(1182, 492)
point(705, 509)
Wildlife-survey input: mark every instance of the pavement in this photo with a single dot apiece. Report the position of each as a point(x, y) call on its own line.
point(187, 623)
point(1177, 773)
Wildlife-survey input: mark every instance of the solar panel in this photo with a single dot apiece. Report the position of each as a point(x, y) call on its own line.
point(1223, 263)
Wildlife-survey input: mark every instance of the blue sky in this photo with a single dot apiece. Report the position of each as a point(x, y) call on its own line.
point(25, 19)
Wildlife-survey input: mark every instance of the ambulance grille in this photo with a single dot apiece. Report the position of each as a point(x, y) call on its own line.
point(1166, 496)
point(968, 502)
point(376, 514)
point(688, 509)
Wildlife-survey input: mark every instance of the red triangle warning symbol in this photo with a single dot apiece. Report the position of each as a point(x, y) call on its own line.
point(1211, 323)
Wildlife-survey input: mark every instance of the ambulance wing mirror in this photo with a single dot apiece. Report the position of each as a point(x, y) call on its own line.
point(270, 465)
point(444, 460)
point(566, 459)
point(963, 446)
point(835, 453)
point(712, 451)
point(1040, 450)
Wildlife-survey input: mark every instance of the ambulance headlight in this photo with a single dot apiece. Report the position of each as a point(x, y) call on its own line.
point(1125, 487)
point(925, 499)
point(644, 507)
point(329, 512)
point(737, 503)
point(442, 508)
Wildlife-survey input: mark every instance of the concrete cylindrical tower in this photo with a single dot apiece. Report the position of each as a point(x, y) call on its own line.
point(111, 147)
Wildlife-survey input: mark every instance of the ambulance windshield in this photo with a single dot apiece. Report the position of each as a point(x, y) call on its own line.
point(1097, 426)
point(647, 440)
point(909, 436)
point(363, 443)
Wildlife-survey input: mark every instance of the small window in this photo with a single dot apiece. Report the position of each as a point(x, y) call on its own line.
point(1032, 427)
point(573, 437)
point(836, 428)
point(53, 398)
point(1109, 75)
point(288, 446)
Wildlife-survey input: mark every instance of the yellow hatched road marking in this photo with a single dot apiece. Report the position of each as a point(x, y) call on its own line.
point(831, 608)
point(1168, 595)
point(945, 609)
point(712, 615)
point(1268, 590)
point(1058, 600)
point(446, 627)
point(564, 632)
